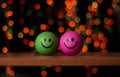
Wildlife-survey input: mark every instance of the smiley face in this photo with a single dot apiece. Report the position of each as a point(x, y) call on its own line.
point(49, 41)
point(46, 43)
point(71, 43)
point(72, 40)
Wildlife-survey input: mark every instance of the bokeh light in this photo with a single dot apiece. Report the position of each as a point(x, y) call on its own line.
point(31, 32)
point(84, 49)
point(103, 45)
point(9, 71)
point(4, 28)
point(10, 2)
point(109, 11)
point(43, 67)
point(31, 43)
point(25, 30)
point(50, 2)
point(44, 73)
point(88, 32)
point(61, 29)
point(58, 69)
point(37, 6)
point(94, 4)
point(94, 70)
point(72, 24)
point(10, 23)
point(20, 35)
point(94, 36)
point(4, 50)
point(43, 27)
point(8, 13)
point(4, 5)
point(88, 40)
point(50, 21)
point(96, 43)
point(25, 41)
point(9, 36)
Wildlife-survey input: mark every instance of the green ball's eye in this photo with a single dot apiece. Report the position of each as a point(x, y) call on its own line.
point(49, 40)
point(45, 39)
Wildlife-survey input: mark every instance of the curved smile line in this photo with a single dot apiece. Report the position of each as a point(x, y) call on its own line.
point(47, 46)
point(70, 47)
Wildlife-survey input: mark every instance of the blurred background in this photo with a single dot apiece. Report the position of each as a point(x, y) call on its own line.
point(96, 20)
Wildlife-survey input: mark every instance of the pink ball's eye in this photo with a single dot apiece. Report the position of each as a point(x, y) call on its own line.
point(72, 39)
point(67, 40)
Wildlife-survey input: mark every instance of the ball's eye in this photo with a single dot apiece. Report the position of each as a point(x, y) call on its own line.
point(67, 40)
point(72, 39)
point(49, 40)
point(44, 39)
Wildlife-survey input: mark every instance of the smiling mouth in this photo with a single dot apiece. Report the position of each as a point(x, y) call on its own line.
point(70, 47)
point(47, 46)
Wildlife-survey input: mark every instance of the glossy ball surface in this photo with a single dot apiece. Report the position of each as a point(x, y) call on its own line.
point(46, 43)
point(71, 43)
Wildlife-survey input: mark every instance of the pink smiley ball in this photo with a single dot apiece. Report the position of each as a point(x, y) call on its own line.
point(71, 43)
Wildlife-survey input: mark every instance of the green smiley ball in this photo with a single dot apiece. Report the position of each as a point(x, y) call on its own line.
point(46, 43)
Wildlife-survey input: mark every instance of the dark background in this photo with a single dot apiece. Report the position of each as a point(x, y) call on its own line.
point(67, 71)
point(33, 21)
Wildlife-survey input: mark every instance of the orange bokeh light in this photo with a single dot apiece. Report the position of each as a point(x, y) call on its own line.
point(43, 27)
point(4, 5)
point(31, 32)
point(25, 30)
point(72, 24)
point(88, 40)
point(9, 13)
point(103, 45)
point(4, 50)
point(9, 36)
point(31, 44)
point(84, 49)
point(4, 28)
point(50, 2)
point(96, 43)
point(88, 32)
point(10, 22)
point(61, 29)
point(82, 28)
